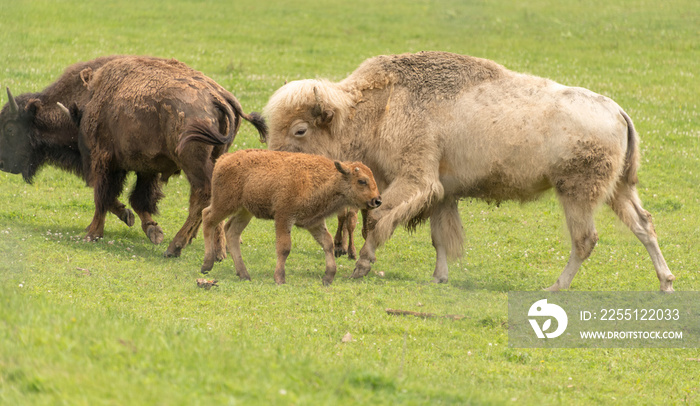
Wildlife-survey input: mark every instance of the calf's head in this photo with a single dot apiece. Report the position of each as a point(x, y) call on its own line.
point(17, 126)
point(362, 188)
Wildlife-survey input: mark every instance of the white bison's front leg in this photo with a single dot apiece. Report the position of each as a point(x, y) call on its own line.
point(402, 201)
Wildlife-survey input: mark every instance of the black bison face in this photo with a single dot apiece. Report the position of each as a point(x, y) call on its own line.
point(16, 127)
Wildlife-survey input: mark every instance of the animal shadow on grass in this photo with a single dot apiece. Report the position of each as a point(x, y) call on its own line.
point(125, 244)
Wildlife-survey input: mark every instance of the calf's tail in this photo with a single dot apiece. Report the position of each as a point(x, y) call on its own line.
point(632, 157)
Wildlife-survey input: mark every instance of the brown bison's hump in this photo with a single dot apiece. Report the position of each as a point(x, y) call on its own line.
point(429, 72)
point(138, 76)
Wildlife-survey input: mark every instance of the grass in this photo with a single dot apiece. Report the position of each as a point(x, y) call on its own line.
point(113, 322)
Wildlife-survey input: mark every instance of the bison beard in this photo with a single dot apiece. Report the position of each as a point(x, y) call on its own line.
point(436, 127)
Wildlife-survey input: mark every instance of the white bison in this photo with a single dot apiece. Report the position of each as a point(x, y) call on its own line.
point(436, 127)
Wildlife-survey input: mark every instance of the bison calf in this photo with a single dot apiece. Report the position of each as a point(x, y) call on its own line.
point(289, 188)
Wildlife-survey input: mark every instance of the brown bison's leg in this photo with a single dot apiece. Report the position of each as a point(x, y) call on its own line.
point(234, 228)
point(323, 237)
point(198, 173)
point(283, 233)
point(402, 201)
point(579, 219)
point(628, 207)
point(341, 247)
point(447, 235)
point(144, 199)
point(107, 187)
point(119, 209)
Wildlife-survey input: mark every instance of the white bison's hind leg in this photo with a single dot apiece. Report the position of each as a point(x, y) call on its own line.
point(579, 219)
point(627, 205)
point(447, 234)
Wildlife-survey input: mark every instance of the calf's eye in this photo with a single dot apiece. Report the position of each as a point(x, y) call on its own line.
point(362, 182)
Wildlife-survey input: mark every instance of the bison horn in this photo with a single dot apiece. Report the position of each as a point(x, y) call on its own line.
point(318, 98)
point(63, 109)
point(13, 104)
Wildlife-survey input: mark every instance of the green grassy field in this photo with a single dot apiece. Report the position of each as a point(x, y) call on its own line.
point(115, 323)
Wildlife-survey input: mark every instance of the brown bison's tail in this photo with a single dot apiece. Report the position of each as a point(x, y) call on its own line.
point(205, 132)
point(632, 157)
point(254, 118)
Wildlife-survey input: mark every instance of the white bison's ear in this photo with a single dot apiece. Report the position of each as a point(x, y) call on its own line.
point(342, 168)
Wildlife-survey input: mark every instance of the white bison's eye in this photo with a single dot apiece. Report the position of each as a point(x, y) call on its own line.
point(300, 130)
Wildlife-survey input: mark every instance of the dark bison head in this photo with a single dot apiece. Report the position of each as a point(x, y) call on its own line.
point(16, 129)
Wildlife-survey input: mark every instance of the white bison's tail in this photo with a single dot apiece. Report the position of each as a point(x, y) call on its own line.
point(632, 157)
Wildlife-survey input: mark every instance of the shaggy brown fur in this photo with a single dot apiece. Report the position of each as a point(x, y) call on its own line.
point(436, 127)
point(139, 109)
point(34, 131)
point(291, 189)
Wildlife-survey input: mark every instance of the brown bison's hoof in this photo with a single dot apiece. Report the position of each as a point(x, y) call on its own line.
point(127, 217)
point(327, 282)
point(352, 255)
point(92, 237)
point(155, 234)
point(245, 278)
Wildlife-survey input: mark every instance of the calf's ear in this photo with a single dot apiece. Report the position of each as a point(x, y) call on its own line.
point(341, 168)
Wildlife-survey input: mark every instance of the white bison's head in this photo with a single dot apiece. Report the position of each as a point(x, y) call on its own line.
point(307, 116)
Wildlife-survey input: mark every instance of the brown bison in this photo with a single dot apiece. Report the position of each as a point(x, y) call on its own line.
point(132, 112)
point(34, 132)
point(291, 189)
point(436, 127)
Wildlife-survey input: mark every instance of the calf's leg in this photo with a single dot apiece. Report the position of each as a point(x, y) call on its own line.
point(323, 237)
point(212, 216)
point(339, 241)
point(628, 207)
point(234, 228)
point(144, 199)
point(283, 233)
point(344, 241)
point(198, 168)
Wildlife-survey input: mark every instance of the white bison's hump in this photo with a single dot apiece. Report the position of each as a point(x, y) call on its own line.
point(440, 74)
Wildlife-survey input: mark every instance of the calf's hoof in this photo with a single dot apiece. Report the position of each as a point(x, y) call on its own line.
point(339, 251)
point(155, 234)
point(327, 281)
